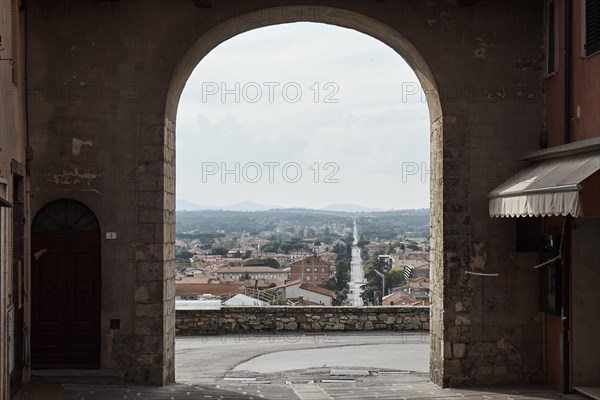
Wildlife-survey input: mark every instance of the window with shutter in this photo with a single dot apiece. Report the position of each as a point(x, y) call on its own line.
point(551, 33)
point(592, 26)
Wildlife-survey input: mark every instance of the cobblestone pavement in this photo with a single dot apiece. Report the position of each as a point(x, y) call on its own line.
point(116, 392)
point(317, 384)
point(313, 384)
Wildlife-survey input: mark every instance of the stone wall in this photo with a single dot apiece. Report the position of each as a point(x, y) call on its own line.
point(312, 319)
point(116, 88)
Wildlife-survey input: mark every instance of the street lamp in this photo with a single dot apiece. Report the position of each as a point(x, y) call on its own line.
point(382, 284)
point(382, 256)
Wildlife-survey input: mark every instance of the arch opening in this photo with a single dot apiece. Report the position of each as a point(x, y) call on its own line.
point(321, 14)
point(344, 19)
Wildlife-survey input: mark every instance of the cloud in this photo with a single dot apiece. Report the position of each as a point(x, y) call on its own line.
point(326, 94)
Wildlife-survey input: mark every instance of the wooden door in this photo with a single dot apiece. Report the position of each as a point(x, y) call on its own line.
point(65, 299)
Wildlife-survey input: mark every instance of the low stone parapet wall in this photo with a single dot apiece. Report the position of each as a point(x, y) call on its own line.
point(310, 319)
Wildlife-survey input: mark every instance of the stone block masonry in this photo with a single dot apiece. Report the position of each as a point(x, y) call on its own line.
point(310, 319)
point(486, 110)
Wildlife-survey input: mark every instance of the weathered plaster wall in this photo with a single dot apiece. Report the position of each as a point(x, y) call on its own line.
point(13, 141)
point(584, 123)
point(104, 82)
point(585, 275)
point(310, 319)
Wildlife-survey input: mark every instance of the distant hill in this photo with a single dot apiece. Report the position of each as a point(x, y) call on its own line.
point(182, 205)
point(185, 205)
point(249, 206)
point(289, 222)
point(349, 208)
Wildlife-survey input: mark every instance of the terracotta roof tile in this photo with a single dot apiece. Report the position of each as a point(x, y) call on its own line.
point(208, 288)
point(250, 270)
point(318, 289)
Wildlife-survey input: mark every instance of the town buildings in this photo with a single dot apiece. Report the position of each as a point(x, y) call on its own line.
point(269, 286)
point(303, 293)
point(402, 299)
point(249, 272)
point(416, 289)
point(415, 268)
point(194, 291)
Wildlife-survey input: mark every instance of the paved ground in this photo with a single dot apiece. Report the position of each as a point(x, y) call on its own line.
point(279, 353)
point(398, 390)
point(114, 392)
point(287, 367)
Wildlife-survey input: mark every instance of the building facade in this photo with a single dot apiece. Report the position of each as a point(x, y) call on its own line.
point(14, 202)
point(311, 269)
point(256, 273)
point(298, 290)
point(557, 196)
point(572, 86)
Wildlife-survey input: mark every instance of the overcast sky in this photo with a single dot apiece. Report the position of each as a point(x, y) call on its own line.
point(303, 115)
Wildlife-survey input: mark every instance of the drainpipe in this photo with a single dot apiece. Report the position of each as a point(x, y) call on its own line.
point(566, 304)
point(27, 185)
point(566, 351)
point(568, 89)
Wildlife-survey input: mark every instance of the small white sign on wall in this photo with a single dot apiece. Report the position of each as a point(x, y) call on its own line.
point(111, 235)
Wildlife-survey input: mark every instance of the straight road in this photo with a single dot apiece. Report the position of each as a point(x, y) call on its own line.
point(357, 274)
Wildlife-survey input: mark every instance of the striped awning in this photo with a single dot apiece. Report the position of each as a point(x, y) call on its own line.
point(545, 187)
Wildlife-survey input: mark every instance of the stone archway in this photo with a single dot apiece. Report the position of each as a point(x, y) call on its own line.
point(346, 19)
point(104, 79)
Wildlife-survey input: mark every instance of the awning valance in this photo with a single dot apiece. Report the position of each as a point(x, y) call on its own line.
point(546, 187)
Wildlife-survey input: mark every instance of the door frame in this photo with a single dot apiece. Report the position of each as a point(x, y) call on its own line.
point(60, 229)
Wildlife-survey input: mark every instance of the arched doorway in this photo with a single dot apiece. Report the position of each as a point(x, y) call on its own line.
point(65, 287)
